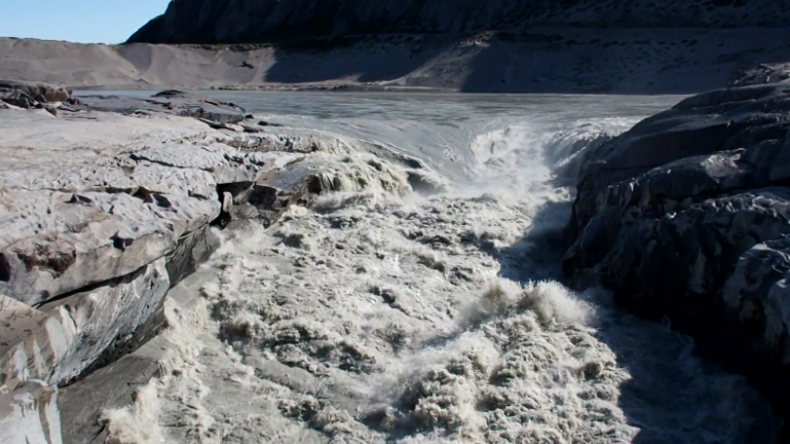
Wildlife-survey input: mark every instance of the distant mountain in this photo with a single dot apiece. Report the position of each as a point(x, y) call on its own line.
point(256, 21)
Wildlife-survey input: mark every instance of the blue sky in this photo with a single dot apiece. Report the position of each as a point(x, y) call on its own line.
point(85, 21)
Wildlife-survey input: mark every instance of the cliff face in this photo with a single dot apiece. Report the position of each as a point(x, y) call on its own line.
point(248, 21)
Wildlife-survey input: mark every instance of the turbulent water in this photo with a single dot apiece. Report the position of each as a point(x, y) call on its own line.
point(429, 310)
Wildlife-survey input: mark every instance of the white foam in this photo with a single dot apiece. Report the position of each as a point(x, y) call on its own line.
point(555, 304)
point(138, 423)
point(382, 316)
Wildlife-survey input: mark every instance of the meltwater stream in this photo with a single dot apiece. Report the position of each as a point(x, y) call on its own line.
point(380, 315)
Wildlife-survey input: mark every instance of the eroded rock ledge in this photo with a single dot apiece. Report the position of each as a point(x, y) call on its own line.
point(104, 209)
point(687, 216)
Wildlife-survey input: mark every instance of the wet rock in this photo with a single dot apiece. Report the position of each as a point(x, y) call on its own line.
point(262, 143)
point(216, 125)
point(176, 102)
point(272, 195)
point(192, 250)
point(114, 385)
point(295, 182)
point(265, 123)
point(424, 184)
point(756, 293)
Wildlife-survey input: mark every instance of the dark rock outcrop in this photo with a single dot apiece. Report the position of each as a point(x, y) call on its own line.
point(245, 21)
point(34, 95)
point(34, 92)
point(687, 216)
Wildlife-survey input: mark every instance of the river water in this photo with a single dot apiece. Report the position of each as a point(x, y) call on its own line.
point(382, 315)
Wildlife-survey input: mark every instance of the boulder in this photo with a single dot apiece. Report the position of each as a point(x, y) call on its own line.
point(299, 181)
point(28, 95)
point(272, 195)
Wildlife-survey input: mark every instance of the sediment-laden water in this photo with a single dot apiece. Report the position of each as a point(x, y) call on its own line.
point(422, 303)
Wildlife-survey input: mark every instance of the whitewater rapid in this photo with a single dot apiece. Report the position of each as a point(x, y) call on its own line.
point(385, 315)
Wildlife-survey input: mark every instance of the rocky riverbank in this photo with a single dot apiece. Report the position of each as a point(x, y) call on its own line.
point(106, 205)
point(110, 204)
point(687, 216)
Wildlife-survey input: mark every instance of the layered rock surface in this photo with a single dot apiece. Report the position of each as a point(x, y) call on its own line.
point(207, 21)
point(33, 95)
point(101, 214)
point(687, 216)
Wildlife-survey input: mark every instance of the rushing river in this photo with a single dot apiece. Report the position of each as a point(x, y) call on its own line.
point(377, 316)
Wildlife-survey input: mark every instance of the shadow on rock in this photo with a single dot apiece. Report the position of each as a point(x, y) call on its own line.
point(671, 395)
point(366, 59)
point(546, 61)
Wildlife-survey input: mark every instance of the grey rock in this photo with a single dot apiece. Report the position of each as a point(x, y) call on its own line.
point(216, 125)
point(263, 143)
point(80, 328)
point(698, 126)
point(30, 414)
point(658, 262)
point(17, 322)
point(265, 123)
point(67, 226)
point(82, 403)
point(94, 239)
point(106, 237)
point(662, 192)
point(193, 249)
point(686, 216)
point(31, 95)
point(272, 195)
point(174, 102)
